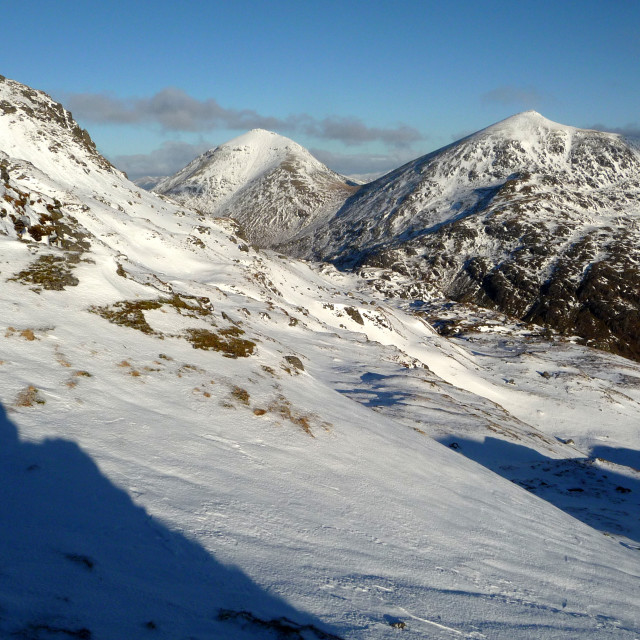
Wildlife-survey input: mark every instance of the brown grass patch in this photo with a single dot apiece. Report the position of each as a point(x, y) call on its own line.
point(241, 395)
point(129, 313)
point(189, 368)
point(226, 341)
point(28, 397)
point(52, 272)
point(282, 407)
point(27, 334)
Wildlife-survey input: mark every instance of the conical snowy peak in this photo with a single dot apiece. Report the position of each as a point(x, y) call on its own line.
point(257, 136)
point(260, 140)
point(248, 156)
point(261, 150)
point(273, 186)
point(430, 190)
point(522, 123)
point(531, 142)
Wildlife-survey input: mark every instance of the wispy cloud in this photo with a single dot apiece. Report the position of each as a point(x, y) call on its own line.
point(175, 110)
point(352, 131)
point(520, 97)
point(171, 108)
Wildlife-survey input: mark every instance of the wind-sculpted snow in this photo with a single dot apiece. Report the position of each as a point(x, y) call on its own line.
point(206, 440)
point(271, 185)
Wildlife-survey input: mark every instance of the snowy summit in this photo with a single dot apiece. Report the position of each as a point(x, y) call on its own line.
point(270, 184)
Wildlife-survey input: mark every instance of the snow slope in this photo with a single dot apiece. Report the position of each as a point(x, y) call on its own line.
point(203, 440)
point(270, 184)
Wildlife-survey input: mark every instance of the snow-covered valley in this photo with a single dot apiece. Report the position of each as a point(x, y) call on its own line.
point(201, 439)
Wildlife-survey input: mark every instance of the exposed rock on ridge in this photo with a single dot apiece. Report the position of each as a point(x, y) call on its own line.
point(32, 109)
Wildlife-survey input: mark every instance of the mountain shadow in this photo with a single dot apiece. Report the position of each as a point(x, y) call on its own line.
point(602, 495)
point(81, 560)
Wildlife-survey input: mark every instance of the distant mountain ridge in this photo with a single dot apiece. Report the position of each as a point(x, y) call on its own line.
point(533, 218)
point(270, 184)
point(148, 182)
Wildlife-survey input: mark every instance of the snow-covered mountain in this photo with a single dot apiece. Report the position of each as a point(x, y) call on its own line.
point(268, 183)
point(203, 440)
point(530, 217)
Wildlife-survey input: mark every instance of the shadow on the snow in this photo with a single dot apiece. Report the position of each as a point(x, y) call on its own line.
point(81, 560)
point(588, 489)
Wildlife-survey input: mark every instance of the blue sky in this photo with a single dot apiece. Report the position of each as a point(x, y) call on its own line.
point(364, 85)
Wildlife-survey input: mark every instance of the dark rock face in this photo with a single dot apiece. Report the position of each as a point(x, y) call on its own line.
point(589, 286)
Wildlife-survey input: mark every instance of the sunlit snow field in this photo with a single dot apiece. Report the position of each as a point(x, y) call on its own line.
point(326, 466)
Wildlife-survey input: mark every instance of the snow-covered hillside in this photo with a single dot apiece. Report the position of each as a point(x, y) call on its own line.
point(203, 440)
point(270, 184)
point(533, 218)
point(448, 185)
